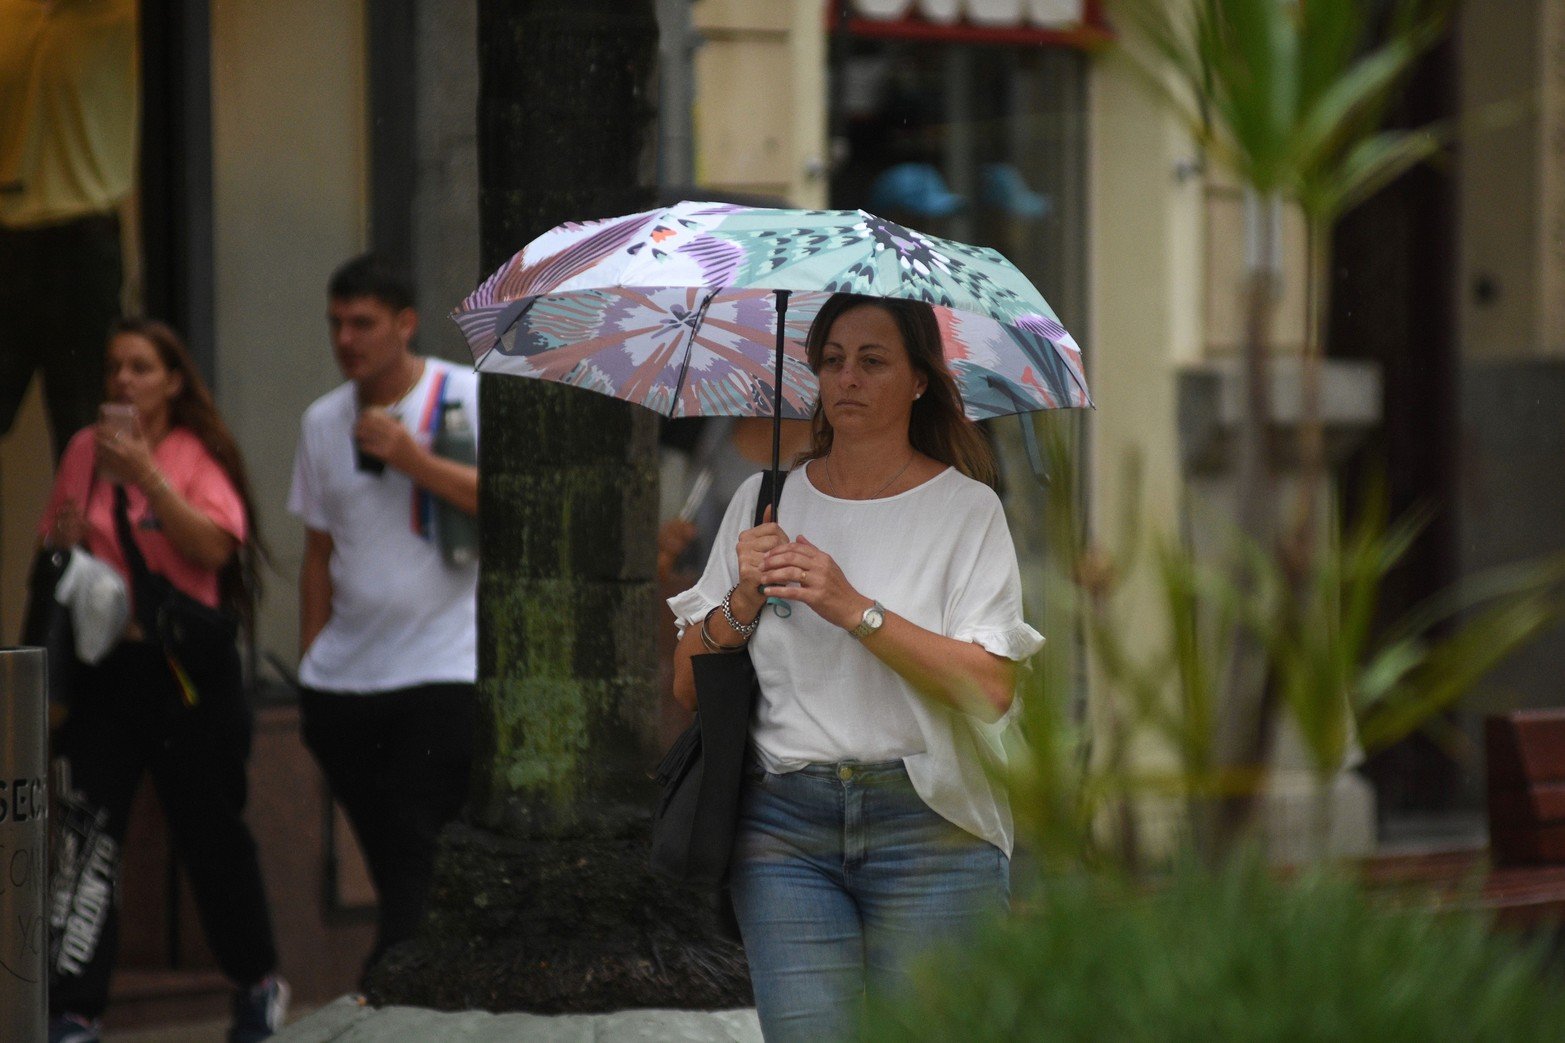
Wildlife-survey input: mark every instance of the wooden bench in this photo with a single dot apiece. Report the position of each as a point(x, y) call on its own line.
point(1520, 877)
point(1526, 791)
point(1517, 896)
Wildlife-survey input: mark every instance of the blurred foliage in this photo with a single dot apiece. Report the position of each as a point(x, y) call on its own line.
point(1233, 955)
point(1106, 943)
point(1290, 96)
point(1159, 648)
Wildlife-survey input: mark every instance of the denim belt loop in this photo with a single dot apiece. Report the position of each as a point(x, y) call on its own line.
point(853, 831)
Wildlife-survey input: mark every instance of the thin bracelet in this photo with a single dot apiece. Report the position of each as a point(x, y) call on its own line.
point(162, 481)
point(711, 642)
point(744, 630)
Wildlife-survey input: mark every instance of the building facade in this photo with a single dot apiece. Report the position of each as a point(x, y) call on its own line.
point(288, 136)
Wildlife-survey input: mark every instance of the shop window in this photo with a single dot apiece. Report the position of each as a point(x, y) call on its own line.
point(983, 144)
point(974, 143)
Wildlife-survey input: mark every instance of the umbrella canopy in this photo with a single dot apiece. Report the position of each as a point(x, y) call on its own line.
point(677, 309)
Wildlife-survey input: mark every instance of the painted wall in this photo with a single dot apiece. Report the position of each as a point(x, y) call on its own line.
point(26, 472)
point(289, 187)
point(1145, 288)
point(1511, 182)
point(1501, 182)
point(445, 192)
point(760, 119)
point(1145, 284)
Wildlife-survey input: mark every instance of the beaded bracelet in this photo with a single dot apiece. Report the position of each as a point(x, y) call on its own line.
point(744, 630)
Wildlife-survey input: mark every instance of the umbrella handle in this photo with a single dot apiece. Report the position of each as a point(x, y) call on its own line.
point(777, 397)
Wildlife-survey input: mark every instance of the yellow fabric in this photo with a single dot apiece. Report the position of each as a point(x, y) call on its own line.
point(68, 108)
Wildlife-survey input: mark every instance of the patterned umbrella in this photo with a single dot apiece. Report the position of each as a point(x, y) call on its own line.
point(677, 309)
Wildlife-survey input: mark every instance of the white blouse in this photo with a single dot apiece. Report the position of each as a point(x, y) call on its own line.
point(939, 555)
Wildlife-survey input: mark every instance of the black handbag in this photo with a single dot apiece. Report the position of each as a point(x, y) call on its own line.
point(197, 636)
point(702, 773)
point(47, 623)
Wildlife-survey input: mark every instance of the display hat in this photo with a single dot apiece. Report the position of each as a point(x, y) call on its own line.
point(914, 188)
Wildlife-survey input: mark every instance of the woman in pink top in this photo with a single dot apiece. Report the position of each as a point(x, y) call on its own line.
point(190, 513)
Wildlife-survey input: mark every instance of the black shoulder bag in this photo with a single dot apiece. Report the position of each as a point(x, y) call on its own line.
point(197, 636)
point(47, 623)
point(702, 773)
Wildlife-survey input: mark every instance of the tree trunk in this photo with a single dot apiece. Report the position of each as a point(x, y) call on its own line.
point(543, 901)
point(1312, 433)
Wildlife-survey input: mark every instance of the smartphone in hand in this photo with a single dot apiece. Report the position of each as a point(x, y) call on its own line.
point(118, 418)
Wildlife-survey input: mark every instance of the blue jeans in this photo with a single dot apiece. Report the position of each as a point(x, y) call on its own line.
point(841, 876)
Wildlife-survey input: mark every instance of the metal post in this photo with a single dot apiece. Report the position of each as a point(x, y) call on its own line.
point(24, 844)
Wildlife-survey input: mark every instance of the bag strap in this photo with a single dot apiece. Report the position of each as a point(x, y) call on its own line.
point(764, 500)
point(140, 574)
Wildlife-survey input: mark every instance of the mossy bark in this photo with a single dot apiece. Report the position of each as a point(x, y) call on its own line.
point(566, 656)
point(569, 494)
point(542, 901)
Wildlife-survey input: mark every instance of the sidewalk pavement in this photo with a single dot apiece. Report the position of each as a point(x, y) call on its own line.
point(345, 1021)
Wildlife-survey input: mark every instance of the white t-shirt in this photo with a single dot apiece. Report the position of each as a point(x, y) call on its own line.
point(939, 555)
point(400, 616)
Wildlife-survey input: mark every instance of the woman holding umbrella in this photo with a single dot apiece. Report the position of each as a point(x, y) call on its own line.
point(871, 824)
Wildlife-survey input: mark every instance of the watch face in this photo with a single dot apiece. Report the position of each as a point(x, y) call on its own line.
point(874, 617)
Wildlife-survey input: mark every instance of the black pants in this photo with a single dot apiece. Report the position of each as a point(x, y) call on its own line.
point(127, 717)
point(59, 291)
point(398, 763)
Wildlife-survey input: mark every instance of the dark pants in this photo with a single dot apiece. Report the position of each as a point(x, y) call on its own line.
point(127, 717)
point(398, 763)
point(59, 291)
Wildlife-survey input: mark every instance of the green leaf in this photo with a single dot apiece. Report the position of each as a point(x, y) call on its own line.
point(1339, 113)
point(1330, 33)
point(1454, 666)
point(1521, 579)
point(1370, 166)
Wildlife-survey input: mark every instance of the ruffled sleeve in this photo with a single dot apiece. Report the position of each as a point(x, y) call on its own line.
point(1016, 642)
point(986, 604)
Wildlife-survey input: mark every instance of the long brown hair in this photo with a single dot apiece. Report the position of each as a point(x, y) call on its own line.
point(938, 428)
point(239, 583)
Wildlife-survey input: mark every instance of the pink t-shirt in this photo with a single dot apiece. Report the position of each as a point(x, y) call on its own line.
point(193, 474)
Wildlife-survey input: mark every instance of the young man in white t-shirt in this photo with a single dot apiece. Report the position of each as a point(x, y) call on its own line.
point(387, 626)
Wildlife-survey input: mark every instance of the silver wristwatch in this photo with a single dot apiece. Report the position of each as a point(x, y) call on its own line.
point(874, 618)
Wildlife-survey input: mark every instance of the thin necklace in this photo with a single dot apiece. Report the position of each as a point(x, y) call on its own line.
point(887, 484)
point(395, 402)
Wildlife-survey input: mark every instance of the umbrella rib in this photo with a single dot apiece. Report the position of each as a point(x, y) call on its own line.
point(695, 327)
point(644, 377)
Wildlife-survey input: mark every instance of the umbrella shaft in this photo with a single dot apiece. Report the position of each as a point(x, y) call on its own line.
point(777, 396)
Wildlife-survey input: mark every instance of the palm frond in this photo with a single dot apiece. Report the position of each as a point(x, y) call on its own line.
point(1452, 667)
point(1371, 165)
point(1348, 104)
